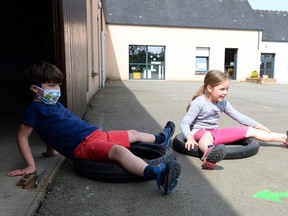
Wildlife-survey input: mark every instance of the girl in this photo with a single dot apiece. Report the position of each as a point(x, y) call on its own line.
point(200, 124)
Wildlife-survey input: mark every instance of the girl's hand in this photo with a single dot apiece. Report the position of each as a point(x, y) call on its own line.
point(262, 127)
point(190, 144)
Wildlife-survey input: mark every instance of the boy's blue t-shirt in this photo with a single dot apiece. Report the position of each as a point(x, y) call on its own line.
point(58, 127)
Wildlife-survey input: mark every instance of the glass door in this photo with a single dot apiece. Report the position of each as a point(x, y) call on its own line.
point(230, 63)
point(267, 65)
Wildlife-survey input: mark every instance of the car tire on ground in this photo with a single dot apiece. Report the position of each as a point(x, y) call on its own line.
point(152, 153)
point(236, 150)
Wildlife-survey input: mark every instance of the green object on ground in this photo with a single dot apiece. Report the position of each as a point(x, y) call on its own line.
point(271, 196)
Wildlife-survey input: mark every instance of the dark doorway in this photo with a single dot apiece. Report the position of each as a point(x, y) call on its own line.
point(26, 35)
point(231, 63)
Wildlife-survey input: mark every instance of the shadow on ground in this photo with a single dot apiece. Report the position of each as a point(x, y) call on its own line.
point(116, 107)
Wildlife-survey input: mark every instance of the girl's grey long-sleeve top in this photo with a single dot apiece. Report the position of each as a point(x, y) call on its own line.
point(203, 114)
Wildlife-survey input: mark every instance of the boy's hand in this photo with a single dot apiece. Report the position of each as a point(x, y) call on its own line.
point(21, 172)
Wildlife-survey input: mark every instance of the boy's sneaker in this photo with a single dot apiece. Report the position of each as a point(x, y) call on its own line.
point(213, 155)
point(167, 175)
point(168, 132)
point(286, 143)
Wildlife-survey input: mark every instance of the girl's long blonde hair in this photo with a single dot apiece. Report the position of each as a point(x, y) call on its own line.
point(212, 78)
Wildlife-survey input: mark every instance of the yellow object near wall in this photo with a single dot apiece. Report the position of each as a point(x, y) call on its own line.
point(137, 75)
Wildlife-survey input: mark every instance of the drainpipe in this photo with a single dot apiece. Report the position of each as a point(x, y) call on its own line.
point(103, 78)
point(259, 51)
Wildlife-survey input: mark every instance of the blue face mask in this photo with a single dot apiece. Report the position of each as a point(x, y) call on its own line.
point(50, 96)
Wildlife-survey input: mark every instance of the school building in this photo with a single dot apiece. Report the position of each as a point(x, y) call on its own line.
point(95, 40)
point(183, 39)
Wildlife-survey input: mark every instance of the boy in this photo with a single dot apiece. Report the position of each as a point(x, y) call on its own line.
point(74, 138)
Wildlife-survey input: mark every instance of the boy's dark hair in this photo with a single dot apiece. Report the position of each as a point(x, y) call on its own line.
point(42, 72)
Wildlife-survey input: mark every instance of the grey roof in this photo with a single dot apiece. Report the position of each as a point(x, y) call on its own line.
point(275, 25)
point(219, 14)
point(211, 14)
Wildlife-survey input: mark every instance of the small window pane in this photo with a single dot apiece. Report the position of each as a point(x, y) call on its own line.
point(155, 54)
point(202, 51)
point(201, 64)
point(137, 54)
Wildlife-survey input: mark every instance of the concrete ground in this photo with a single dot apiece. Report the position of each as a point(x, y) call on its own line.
point(147, 106)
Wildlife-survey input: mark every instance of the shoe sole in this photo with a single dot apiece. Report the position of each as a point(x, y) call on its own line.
point(217, 154)
point(208, 165)
point(173, 171)
point(173, 129)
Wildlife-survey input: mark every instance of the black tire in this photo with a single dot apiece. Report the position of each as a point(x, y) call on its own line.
point(240, 149)
point(153, 154)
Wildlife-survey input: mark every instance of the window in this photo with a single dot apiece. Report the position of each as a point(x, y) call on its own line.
point(146, 62)
point(202, 60)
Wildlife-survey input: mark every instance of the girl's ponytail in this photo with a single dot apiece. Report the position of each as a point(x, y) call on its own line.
point(199, 92)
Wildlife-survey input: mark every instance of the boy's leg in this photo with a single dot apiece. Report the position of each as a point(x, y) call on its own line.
point(99, 146)
point(163, 137)
point(127, 160)
point(168, 132)
point(166, 176)
point(49, 152)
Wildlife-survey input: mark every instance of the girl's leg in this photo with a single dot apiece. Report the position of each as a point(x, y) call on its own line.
point(229, 134)
point(221, 135)
point(211, 154)
point(205, 141)
point(265, 136)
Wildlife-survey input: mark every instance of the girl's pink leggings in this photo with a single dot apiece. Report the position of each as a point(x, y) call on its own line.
point(224, 135)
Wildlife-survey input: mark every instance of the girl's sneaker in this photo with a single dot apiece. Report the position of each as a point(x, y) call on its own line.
point(213, 155)
point(286, 143)
point(167, 175)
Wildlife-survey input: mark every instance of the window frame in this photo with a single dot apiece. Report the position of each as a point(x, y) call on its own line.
point(202, 57)
point(154, 66)
point(202, 71)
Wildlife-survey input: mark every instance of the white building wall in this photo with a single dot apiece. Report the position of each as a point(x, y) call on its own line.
point(93, 37)
point(280, 50)
point(180, 49)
